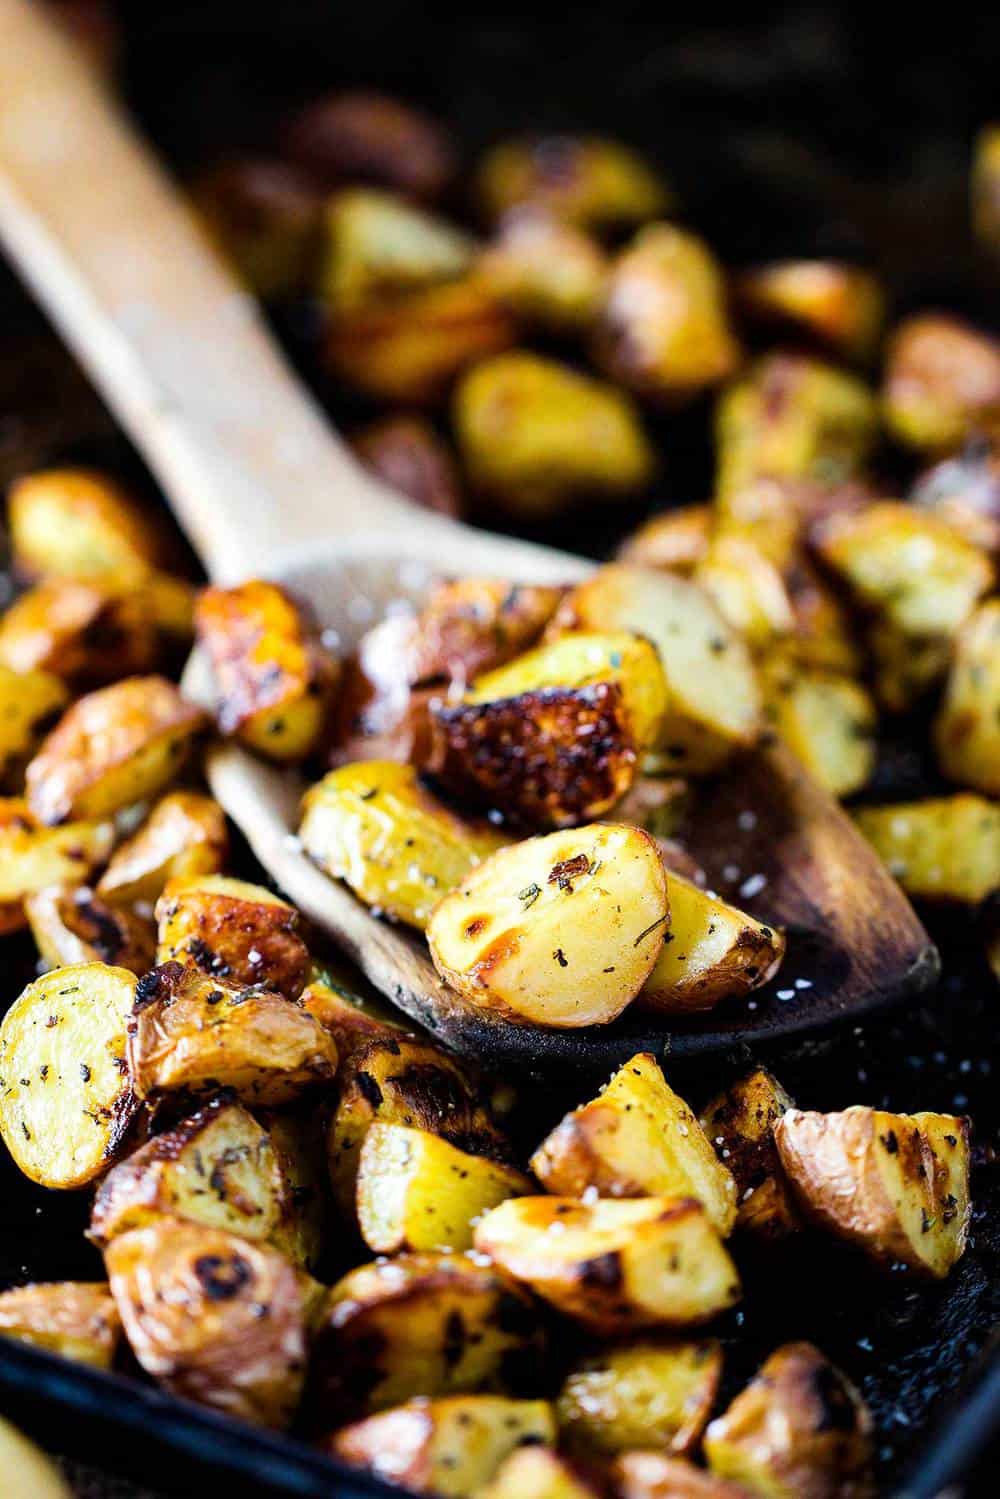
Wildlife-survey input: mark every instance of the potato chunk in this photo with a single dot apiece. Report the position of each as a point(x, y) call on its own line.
point(375, 826)
point(66, 1103)
point(615, 1266)
point(376, 244)
point(421, 1324)
point(650, 1394)
point(27, 1472)
point(193, 1033)
point(190, 1299)
point(33, 857)
point(964, 490)
point(946, 848)
point(560, 931)
point(538, 1473)
point(76, 523)
point(739, 1122)
point(653, 1475)
point(942, 382)
point(637, 1139)
point(588, 180)
point(895, 1185)
point(76, 926)
point(74, 1318)
point(29, 701)
point(273, 678)
point(408, 454)
point(474, 625)
point(830, 301)
point(675, 540)
point(232, 930)
point(967, 732)
point(547, 271)
point(86, 633)
point(354, 1014)
point(416, 1191)
point(828, 721)
point(112, 748)
point(449, 1447)
point(183, 836)
point(799, 1430)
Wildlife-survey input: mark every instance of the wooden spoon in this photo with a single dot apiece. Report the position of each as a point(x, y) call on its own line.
point(263, 486)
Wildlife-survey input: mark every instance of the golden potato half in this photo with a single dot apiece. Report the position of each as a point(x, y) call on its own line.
point(653, 1394)
point(232, 930)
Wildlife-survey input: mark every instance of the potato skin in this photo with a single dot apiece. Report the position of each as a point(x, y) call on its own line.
point(76, 926)
point(77, 1319)
point(739, 1122)
point(353, 1018)
point(654, 1394)
point(233, 930)
point(87, 633)
point(474, 625)
point(967, 731)
point(183, 836)
point(653, 1475)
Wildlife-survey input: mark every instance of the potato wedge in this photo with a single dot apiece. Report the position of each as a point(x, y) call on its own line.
point(799, 1430)
point(190, 1300)
point(827, 720)
point(637, 1139)
point(183, 836)
point(585, 179)
point(353, 1016)
point(967, 731)
point(560, 931)
point(711, 952)
point(649, 1393)
point(77, 523)
point(449, 1447)
point(417, 1192)
point(28, 1473)
point(946, 848)
point(422, 1324)
point(112, 748)
point(77, 1319)
point(739, 1122)
point(407, 453)
point(29, 702)
point(895, 1185)
point(76, 926)
point(33, 857)
point(66, 1102)
point(232, 930)
point(375, 244)
point(653, 1475)
point(193, 1033)
point(675, 540)
point(534, 1472)
point(550, 273)
point(87, 633)
point(942, 382)
point(375, 826)
point(615, 1266)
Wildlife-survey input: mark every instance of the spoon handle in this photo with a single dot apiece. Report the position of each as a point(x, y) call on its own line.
point(177, 347)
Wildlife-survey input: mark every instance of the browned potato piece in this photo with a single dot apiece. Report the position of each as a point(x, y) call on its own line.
point(548, 271)
point(831, 301)
point(378, 714)
point(799, 1430)
point(663, 328)
point(184, 836)
point(967, 731)
point(407, 453)
point(823, 634)
point(637, 1138)
point(616, 1266)
point(895, 1185)
point(946, 848)
point(33, 857)
point(415, 1191)
point(534, 434)
point(449, 1447)
point(74, 1318)
point(942, 382)
point(77, 926)
point(676, 540)
point(827, 720)
point(964, 490)
point(539, 1473)
point(598, 183)
point(264, 215)
point(232, 930)
point(474, 625)
point(560, 931)
point(29, 701)
point(367, 137)
point(653, 1475)
point(353, 1016)
point(376, 244)
point(112, 748)
point(27, 1472)
point(171, 600)
point(273, 678)
point(77, 523)
point(86, 633)
point(985, 189)
point(421, 1324)
point(739, 1122)
point(194, 1033)
point(190, 1299)
point(654, 1394)
point(66, 1103)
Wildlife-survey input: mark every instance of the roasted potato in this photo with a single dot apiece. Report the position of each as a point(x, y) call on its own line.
point(941, 383)
point(653, 1475)
point(799, 1430)
point(376, 827)
point(597, 183)
point(376, 244)
point(711, 952)
point(34, 857)
point(232, 930)
point(637, 1139)
point(29, 702)
point(651, 1394)
point(836, 304)
point(560, 931)
point(77, 1319)
point(266, 216)
point(213, 1317)
point(967, 730)
point(739, 1122)
point(378, 714)
point(548, 271)
point(76, 926)
point(534, 434)
point(964, 490)
point(663, 328)
point(76, 523)
point(895, 1185)
point(354, 1016)
point(407, 453)
point(88, 633)
point(946, 848)
point(194, 1033)
point(66, 1102)
point(675, 540)
point(360, 136)
point(183, 837)
point(474, 625)
point(421, 1324)
point(747, 589)
point(417, 1192)
point(535, 1472)
point(112, 748)
point(823, 634)
point(27, 1472)
point(618, 1265)
point(828, 721)
point(450, 1447)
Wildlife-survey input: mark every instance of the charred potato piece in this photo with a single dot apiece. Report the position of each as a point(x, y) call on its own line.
point(534, 434)
point(985, 189)
point(560, 931)
point(534, 1472)
point(942, 382)
point(33, 857)
point(676, 540)
point(77, 926)
point(474, 625)
point(29, 701)
point(712, 951)
point(28, 1473)
point(193, 1033)
point(837, 304)
point(376, 244)
point(663, 328)
point(74, 1318)
point(112, 748)
point(183, 837)
point(66, 1103)
point(799, 1430)
point(232, 930)
point(77, 523)
point(739, 1122)
point(407, 453)
point(652, 1394)
point(265, 216)
point(88, 633)
point(653, 1475)
point(895, 1185)
point(967, 731)
point(367, 137)
point(415, 1191)
point(828, 721)
point(943, 849)
point(964, 491)
point(597, 183)
point(190, 1299)
point(273, 678)
point(549, 272)
point(353, 1016)
point(376, 827)
point(449, 1447)
point(637, 1139)
point(421, 1324)
point(615, 1266)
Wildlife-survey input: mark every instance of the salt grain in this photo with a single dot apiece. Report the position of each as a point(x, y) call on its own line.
point(753, 886)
